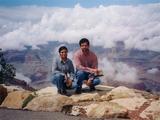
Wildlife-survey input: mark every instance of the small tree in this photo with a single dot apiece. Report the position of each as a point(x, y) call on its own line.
point(7, 71)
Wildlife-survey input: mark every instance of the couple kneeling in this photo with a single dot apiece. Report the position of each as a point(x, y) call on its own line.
point(86, 63)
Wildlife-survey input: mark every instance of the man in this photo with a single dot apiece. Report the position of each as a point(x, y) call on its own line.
point(63, 71)
point(86, 66)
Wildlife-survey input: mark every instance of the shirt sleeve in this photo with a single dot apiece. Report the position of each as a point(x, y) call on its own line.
point(55, 69)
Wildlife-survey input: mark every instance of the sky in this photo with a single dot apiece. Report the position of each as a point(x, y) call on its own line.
point(137, 26)
point(34, 22)
point(71, 3)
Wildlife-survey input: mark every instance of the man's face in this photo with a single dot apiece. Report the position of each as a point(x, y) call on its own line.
point(84, 47)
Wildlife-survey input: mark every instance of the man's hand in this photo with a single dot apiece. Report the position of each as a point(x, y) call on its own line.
point(95, 71)
point(88, 82)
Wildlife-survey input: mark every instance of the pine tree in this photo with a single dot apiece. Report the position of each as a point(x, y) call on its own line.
point(7, 71)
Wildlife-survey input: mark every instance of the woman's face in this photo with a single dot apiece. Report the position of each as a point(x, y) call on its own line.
point(63, 54)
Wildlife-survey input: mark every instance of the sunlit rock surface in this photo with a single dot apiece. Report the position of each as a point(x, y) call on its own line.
point(49, 103)
point(152, 112)
point(15, 99)
point(105, 102)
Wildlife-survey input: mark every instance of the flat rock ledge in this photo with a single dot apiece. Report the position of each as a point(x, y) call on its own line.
point(105, 102)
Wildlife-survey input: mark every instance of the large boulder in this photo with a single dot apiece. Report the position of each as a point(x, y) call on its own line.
point(152, 112)
point(3, 93)
point(100, 110)
point(106, 110)
point(15, 99)
point(130, 103)
point(86, 97)
point(49, 102)
point(104, 87)
point(47, 91)
point(119, 92)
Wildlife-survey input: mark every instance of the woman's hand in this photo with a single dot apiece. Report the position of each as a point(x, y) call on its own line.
point(68, 83)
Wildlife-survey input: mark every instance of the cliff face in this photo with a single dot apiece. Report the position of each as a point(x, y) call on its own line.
point(105, 102)
point(36, 63)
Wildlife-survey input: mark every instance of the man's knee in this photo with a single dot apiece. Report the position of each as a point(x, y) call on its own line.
point(80, 75)
point(96, 81)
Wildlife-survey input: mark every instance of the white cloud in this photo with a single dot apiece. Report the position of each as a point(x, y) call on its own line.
point(153, 70)
point(22, 77)
point(118, 71)
point(137, 26)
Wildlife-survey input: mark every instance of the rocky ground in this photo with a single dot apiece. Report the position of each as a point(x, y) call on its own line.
point(104, 103)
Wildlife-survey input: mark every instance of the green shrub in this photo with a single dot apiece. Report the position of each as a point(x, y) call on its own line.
point(27, 100)
point(7, 71)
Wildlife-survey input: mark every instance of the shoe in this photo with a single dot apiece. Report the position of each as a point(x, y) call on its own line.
point(63, 92)
point(78, 91)
point(59, 91)
point(92, 88)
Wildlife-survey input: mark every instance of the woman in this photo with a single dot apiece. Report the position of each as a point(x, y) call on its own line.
point(63, 71)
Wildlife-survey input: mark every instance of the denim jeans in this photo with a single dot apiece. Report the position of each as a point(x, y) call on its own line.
point(82, 75)
point(59, 81)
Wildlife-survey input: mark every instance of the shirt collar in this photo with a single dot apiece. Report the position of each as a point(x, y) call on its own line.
point(63, 61)
point(84, 54)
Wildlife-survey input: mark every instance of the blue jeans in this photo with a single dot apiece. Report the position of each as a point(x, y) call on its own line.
point(82, 75)
point(59, 81)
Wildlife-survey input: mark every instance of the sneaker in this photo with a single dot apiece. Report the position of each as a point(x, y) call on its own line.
point(59, 91)
point(63, 92)
point(78, 91)
point(92, 88)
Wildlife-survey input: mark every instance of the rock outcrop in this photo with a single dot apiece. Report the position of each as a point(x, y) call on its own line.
point(50, 103)
point(106, 102)
point(3, 93)
point(152, 112)
point(15, 99)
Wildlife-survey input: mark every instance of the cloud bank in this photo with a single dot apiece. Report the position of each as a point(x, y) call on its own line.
point(138, 26)
point(20, 76)
point(118, 71)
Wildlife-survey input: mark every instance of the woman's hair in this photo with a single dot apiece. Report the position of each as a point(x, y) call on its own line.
point(84, 40)
point(63, 48)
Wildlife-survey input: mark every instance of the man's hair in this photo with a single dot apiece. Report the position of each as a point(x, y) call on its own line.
point(83, 40)
point(63, 48)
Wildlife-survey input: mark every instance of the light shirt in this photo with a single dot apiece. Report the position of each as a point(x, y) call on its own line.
point(84, 62)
